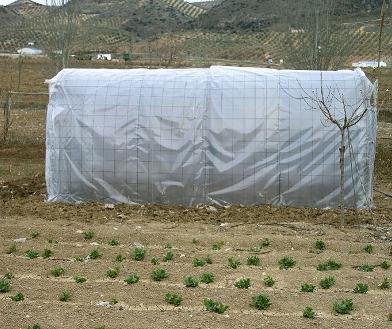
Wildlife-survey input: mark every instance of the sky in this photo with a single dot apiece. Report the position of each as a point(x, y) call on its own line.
point(6, 2)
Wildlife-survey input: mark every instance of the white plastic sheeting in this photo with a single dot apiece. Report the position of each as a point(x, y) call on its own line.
point(223, 135)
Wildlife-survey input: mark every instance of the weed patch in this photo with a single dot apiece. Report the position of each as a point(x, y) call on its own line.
point(31, 254)
point(343, 307)
point(385, 284)
point(47, 253)
point(114, 242)
point(65, 296)
point(57, 271)
point(88, 235)
point(268, 281)
point(120, 258)
point(173, 299)
point(234, 263)
point(214, 306)
point(113, 272)
point(368, 248)
point(80, 279)
point(159, 274)
point(138, 254)
point(306, 287)
point(95, 254)
point(261, 302)
point(361, 288)
point(308, 313)
point(242, 284)
point(191, 282)
point(18, 297)
point(286, 263)
point(253, 261)
point(327, 282)
point(207, 277)
point(328, 266)
point(131, 278)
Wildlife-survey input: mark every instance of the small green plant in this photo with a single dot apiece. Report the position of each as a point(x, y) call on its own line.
point(385, 265)
point(120, 258)
point(253, 261)
point(286, 263)
point(208, 259)
point(191, 282)
point(65, 296)
point(154, 261)
point(88, 235)
point(366, 268)
point(207, 277)
point(173, 299)
point(329, 265)
point(218, 245)
point(320, 245)
point(327, 282)
point(11, 249)
point(131, 278)
point(4, 286)
point(100, 327)
point(159, 274)
point(95, 254)
point(306, 287)
point(138, 253)
point(343, 307)
point(57, 271)
point(34, 234)
point(242, 284)
point(34, 326)
point(309, 313)
point(390, 316)
point(47, 253)
point(168, 245)
point(169, 256)
point(234, 263)
point(31, 254)
point(261, 302)
point(268, 281)
point(80, 279)
point(52, 241)
point(195, 241)
point(368, 248)
point(18, 297)
point(361, 288)
point(79, 259)
point(114, 242)
point(198, 262)
point(266, 242)
point(8, 275)
point(385, 284)
point(214, 306)
point(113, 272)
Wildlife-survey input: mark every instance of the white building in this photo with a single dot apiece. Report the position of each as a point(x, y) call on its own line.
point(104, 57)
point(30, 51)
point(369, 64)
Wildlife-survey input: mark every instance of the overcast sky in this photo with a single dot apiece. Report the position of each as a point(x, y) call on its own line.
point(6, 2)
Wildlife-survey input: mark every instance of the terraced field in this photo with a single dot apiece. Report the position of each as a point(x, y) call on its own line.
point(185, 7)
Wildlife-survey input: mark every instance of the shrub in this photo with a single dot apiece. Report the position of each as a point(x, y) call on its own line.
point(119, 258)
point(138, 254)
point(31, 254)
point(361, 288)
point(114, 242)
point(307, 287)
point(207, 277)
point(198, 262)
point(65, 296)
point(88, 235)
point(385, 284)
point(385, 265)
point(191, 282)
point(261, 302)
point(57, 271)
point(343, 307)
point(242, 284)
point(269, 281)
point(253, 261)
point(132, 278)
point(366, 268)
point(34, 326)
point(4, 286)
point(234, 263)
point(34, 234)
point(11, 249)
point(214, 306)
point(95, 254)
point(218, 245)
point(327, 282)
point(169, 256)
point(113, 272)
point(18, 297)
point(286, 263)
point(328, 266)
point(80, 279)
point(320, 245)
point(47, 253)
point(154, 261)
point(159, 274)
point(173, 299)
point(368, 248)
point(309, 313)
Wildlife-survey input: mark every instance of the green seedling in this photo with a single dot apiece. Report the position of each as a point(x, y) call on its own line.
point(329, 265)
point(327, 282)
point(242, 284)
point(261, 245)
point(168, 245)
point(173, 299)
point(385, 265)
point(100, 327)
point(198, 262)
point(366, 268)
point(195, 241)
point(95, 254)
point(361, 288)
point(261, 302)
point(113, 301)
point(79, 259)
point(131, 278)
point(113, 272)
point(368, 248)
point(390, 316)
point(268, 281)
point(34, 326)
point(320, 245)
point(191, 282)
point(286, 263)
point(306, 287)
point(218, 245)
point(207, 277)
point(47, 253)
point(8, 275)
point(120, 258)
point(234, 263)
point(65, 296)
point(253, 261)
point(18, 297)
point(51, 241)
point(88, 235)
point(208, 259)
point(4, 286)
point(31, 254)
point(57, 271)
point(138, 254)
point(11, 249)
point(169, 256)
point(385, 284)
point(214, 306)
point(343, 307)
point(154, 261)
point(34, 234)
point(114, 242)
point(80, 279)
point(159, 274)
point(309, 313)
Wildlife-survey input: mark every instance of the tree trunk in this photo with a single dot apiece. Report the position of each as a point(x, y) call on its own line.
point(342, 150)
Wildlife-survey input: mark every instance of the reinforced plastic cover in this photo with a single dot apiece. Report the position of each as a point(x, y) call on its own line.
point(222, 135)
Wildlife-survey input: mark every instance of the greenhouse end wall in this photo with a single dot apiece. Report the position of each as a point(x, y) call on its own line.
point(220, 135)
